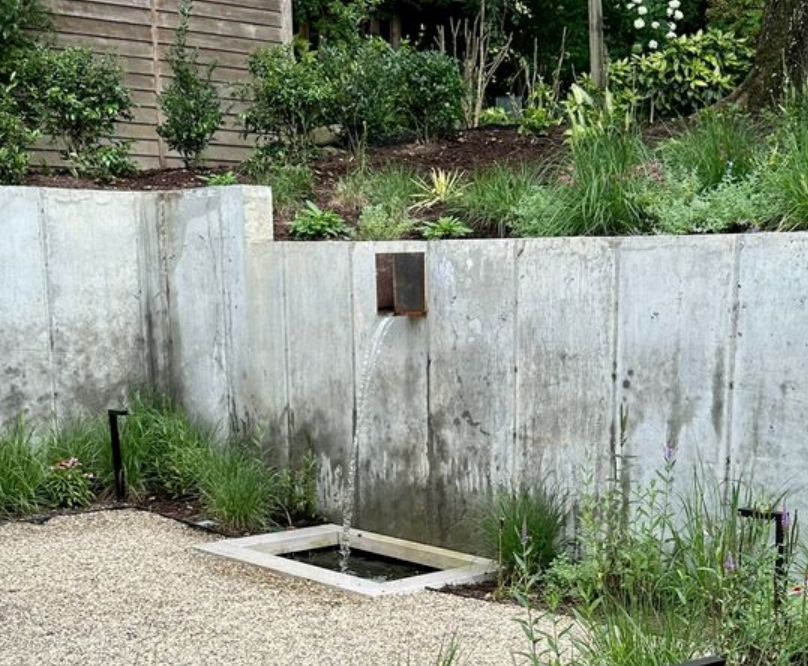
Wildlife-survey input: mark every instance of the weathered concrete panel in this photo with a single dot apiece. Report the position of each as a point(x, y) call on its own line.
point(770, 396)
point(565, 359)
point(673, 350)
point(96, 303)
point(393, 464)
point(25, 368)
point(319, 334)
point(193, 255)
point(472, 302)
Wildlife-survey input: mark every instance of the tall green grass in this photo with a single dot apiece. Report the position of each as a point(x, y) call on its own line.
point(393, 187)
point(723, 145)
point(21, 471)
point(493, 194)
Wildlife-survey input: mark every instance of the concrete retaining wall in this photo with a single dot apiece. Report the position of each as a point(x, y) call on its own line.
point(529, 354)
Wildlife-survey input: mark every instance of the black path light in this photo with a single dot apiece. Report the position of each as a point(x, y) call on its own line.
point(706, 661)
point(115, 443)
point(781, 520)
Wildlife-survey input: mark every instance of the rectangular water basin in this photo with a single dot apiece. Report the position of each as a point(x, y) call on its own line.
point(272, 552)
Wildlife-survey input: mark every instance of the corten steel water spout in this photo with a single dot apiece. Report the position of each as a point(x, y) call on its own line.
point(115, 443)
point(401, 284)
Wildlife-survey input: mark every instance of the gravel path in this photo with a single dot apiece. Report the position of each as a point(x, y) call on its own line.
point(126, 587)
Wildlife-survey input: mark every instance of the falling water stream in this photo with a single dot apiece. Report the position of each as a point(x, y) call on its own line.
point(371, 357)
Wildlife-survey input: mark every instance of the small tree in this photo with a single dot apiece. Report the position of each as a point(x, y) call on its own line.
point(191, 104)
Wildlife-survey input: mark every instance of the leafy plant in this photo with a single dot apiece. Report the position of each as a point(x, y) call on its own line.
point(106, 161)
point(742, 17)
point(221, 179)
point(442, 187)
point(21, 471)
point(21, 21)
point(287, 96)
point(190, 104)
point(447, 226)
point(541, 111)
point(363, 79)
point(77, 99)
point(67, 484)
point(785, 179)
point(380, 223)
point(722, 145)
point(298, 489)
point(312, 223)
point(495, 115)
point(690, 73)
point(429, 93)
point(15, 138)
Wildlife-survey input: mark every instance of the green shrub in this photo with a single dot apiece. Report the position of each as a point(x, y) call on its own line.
point(722, 145)
point(528, 523)
point(430, 93)
point(190, 104)
point(541, 212)
point(541, 111)
point(444, 227)
point(312, 223)
point(221, 179)
point(742, 17)
point(85, 439)
point(15, 138)
point(298, 489)
point(20, 23)
point(237, 489)
point(363, 79)
point(21, 471)
point(288, 96)
point(691, 72)
point(110, 160)
point(492, 195)
point(77, 99)
point(496, 115)
point(380, 222)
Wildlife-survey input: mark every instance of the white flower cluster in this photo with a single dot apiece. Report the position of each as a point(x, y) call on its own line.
point(673, 11)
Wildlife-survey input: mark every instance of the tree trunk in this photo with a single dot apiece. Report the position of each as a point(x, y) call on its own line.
point(781, 57)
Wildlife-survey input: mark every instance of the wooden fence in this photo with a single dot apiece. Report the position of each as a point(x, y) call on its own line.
point(140, 32)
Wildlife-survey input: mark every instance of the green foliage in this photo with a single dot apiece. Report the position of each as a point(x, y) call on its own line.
point(496, 115)
point(380, 222)
point(524, 529)
point(21, 471)
point(77, 99)
point(429, 93)
point(238, 489)
point(83, 439)
point(540, 112)
point(442, 187)
point(67, 484)
point(312, 223)
point(393, 187)
point(335, 21)
point(190, 104)
point(288, 96)
point(445, 227)
point(691, 72)
point(493, 195)
point(743, 17)
point(599, 192)
point(363, 78)
point(722, 145)
point(106, 161)
point(162, 447)
point(291, 183)
point(221, 179)
point(298, 489)
point(681, 207)
point(786, 178)
point(20, 21)
point(15, 138)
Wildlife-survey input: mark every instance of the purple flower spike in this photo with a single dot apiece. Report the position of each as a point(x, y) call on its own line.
point(729, 563)
point(785, 518)
point(669, 453)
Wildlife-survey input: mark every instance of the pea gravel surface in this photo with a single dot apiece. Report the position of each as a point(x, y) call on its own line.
point(127, 587)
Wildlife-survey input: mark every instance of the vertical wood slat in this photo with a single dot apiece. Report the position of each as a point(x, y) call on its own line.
point(99, 24)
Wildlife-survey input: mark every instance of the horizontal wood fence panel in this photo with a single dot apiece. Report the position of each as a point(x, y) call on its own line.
point(140, 32)
point(115, 14)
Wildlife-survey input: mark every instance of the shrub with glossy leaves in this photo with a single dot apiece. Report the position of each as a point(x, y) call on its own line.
point(76, 98)
point(191, 104)
point(691, 72)
point(15, 138)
